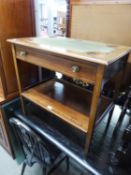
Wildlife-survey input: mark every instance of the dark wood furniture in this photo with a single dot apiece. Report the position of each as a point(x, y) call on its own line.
point(3, 134)
point(101, 20)
point(122, 154)
point(126, 103)
point(16, 20)
point(92, 62)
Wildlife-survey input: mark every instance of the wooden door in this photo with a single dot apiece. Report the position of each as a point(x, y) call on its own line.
point(16, 20)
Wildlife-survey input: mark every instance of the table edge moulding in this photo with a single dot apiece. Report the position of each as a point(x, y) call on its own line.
point(103, 53)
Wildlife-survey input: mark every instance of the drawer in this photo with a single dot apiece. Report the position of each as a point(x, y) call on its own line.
point(59, 63)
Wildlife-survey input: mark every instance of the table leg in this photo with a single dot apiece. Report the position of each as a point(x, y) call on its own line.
point(18, 79)
point(94, 104)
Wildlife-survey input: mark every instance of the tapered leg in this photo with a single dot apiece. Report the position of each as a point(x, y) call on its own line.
point(23, 168)
point(94, 104)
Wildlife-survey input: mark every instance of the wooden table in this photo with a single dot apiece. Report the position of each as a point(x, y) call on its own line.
point(92, 62)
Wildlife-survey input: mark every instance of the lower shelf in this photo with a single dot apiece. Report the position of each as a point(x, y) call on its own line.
point(67, 101)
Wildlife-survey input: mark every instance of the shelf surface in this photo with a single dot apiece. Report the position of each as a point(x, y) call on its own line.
point(96, 52)
point(67, 101)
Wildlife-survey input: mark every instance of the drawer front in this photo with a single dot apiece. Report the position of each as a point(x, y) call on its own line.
point(65, 65)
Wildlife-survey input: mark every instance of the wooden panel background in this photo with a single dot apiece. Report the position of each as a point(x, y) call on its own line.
point(99, 1)
point(107, 23)
point(104, 21)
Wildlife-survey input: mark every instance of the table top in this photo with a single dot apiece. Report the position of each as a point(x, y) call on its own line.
point(96, 52)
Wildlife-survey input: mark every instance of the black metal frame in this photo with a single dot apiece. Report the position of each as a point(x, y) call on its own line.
point(58, 140)
point(36, 150)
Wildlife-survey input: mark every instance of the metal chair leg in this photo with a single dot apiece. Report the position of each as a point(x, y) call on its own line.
point(67, 163)
point(82, 173)
point(23, 168)
point(44, 169)
point(110, 116)
point(57, 162)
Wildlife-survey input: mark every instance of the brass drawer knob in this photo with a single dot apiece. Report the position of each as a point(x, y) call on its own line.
point(75, 68)
point(23, 53)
